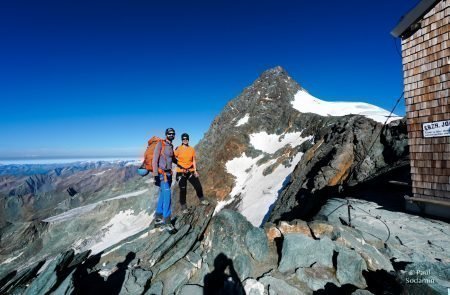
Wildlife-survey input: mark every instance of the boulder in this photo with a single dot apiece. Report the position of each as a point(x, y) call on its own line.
point(256, 241)
point(352, 239)
point(276, 286)
point(247, 247)
point(272, 232)
point(191, 290)
point(321, 229)
point(135, 281)
point(296, 226)
point(350, 267)
point(156, 288)
point(177, 276)
point(243, 265)
point(302, 251)
point(195, 259)
point(317, 277)
point(198, 277)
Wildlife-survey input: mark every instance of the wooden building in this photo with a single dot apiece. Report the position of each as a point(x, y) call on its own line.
point(424, 33)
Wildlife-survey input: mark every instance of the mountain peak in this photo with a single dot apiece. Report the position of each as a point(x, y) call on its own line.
point(274, 72)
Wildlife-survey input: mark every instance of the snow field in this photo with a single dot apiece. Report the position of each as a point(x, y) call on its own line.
point(306, 103)
point(259, 192)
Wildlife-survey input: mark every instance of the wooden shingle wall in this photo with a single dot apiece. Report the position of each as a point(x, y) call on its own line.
point(426, 67)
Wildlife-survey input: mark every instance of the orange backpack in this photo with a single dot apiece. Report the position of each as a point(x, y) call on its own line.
point(148, 156)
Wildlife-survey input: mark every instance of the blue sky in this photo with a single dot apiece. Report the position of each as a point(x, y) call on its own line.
point(98, 78)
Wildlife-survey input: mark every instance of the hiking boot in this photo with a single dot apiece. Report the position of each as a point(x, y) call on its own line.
point(204, 201)
point(159, 222)
point(184, 209)
point(169, 228)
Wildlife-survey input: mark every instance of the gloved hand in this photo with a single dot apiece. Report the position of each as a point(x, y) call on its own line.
point(157, 180)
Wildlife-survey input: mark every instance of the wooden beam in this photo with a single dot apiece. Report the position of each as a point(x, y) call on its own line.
point(430, 201)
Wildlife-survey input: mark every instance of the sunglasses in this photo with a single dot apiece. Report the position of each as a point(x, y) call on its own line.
point(170, 133)
point(185, 139)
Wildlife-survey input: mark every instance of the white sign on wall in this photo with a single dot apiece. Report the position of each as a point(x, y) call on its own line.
point(436, 129)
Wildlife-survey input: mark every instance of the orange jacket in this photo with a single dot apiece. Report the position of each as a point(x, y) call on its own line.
point(186, 158)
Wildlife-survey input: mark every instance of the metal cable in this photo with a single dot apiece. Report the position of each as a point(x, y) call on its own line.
point(373, 143)
point(387, 227)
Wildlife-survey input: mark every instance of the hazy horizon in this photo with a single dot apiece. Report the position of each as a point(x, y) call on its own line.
point(67, 160)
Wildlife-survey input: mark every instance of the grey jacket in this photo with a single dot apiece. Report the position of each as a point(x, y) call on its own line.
point(164, 160)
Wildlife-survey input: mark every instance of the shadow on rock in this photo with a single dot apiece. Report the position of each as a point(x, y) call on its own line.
point(7, 278)
point(332, 289)
point(383, 282)
point(116, 279)
point(87, 280)
point(223, 279)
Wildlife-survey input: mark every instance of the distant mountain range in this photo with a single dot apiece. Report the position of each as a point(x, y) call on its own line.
point(34, 191)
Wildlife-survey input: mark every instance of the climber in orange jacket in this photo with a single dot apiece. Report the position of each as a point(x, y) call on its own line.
point(187, 171)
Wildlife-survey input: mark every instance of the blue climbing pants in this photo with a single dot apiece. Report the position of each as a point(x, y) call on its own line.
point(165, 198)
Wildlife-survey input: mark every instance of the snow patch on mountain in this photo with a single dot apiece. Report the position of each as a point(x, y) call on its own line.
point(100, 173)
point(258, 191)
point(72, 213)
point(238, 167)
point(144, 235)
point(270, 143)
point(306, 103)
point(262, 191)
point(121, 226)
point(241, 168)
point(11, 259)
point(243, 120)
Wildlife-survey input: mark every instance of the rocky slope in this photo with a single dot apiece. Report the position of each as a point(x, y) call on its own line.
point(225, 253)
point(81, 206)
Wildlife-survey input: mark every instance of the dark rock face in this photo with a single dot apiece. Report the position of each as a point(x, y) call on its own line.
point(351, 152)
point(268, 103)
